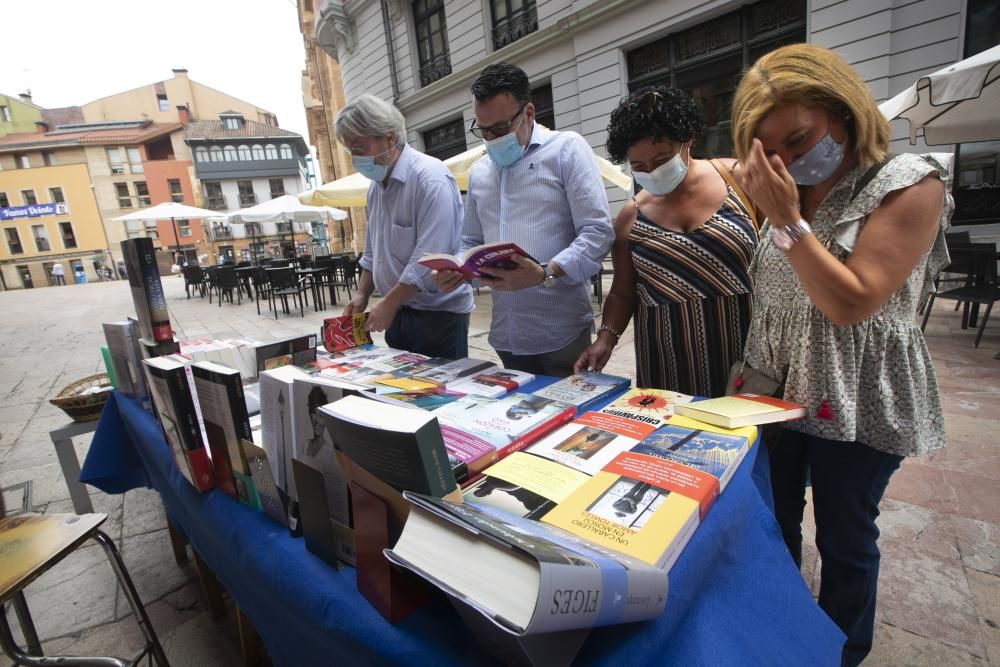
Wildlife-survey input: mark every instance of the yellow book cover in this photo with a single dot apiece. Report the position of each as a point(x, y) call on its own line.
point(405, 383)
point(632, 506)
point(525, 485)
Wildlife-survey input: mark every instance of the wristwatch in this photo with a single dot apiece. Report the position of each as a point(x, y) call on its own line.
point(785, 237)
point(550, 277)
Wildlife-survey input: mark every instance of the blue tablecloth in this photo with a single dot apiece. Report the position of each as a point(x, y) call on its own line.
point(735, 597)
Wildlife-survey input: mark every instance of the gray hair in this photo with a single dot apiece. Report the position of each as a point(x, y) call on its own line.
point(370, 116)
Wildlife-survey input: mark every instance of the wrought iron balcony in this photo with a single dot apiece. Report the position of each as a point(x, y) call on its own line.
point(436, 69)
point(512, 28)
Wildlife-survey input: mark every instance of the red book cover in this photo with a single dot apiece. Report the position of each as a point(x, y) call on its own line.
point(344, 332)
point(661, 473)
point(537, 433)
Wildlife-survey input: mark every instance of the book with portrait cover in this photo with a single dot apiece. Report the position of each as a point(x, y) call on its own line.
point(640, 505)
point(345, 331)
point(223, 407)
point(495, 255)
point(525, 577)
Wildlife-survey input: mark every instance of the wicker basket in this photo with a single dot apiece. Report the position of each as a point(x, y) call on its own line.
point(83, 408)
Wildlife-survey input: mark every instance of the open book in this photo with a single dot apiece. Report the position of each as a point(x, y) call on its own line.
point(490, 255)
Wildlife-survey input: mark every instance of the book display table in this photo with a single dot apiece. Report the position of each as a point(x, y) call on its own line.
point(735, 596)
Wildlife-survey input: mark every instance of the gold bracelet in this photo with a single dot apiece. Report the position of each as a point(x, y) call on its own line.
point(605, 327)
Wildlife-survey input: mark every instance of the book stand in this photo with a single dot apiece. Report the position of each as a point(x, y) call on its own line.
point(553, 649)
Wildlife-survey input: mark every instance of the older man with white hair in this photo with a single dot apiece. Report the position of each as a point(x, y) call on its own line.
point(414, 208)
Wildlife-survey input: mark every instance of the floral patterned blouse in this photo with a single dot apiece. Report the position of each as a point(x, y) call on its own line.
point(876, 376)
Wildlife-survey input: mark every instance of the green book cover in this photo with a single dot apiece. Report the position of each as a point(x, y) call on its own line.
point(109, 366)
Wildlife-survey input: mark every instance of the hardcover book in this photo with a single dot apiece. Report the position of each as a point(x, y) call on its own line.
point(346, 331)
point(147, 290)
point(591, 441)
point(584, 389)
point(742, 410)
point(652, 406)
point(525, 577)
point(175, 408)
point(640, 505)
point(220, 393)
point(524, 485)
point(400, 446)
point(479, 431)
point(711, 449)
point(495, 255)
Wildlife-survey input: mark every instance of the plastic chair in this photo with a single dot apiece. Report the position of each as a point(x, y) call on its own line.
point(30, 544)
point(980, 288)
point(284, 284)
point(227, 282)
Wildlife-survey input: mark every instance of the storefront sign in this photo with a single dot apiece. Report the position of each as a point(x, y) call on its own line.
point(38, 210)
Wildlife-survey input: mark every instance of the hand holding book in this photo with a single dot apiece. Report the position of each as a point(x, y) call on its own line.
point(500, 255)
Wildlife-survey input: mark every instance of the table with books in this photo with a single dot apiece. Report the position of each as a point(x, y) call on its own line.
point(734, 593)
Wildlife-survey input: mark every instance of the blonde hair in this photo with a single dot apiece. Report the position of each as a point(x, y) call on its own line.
point(817, 78)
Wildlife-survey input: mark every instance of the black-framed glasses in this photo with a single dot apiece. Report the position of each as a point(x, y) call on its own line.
point(497, 130)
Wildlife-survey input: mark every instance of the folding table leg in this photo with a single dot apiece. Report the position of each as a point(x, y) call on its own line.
point(27, 625)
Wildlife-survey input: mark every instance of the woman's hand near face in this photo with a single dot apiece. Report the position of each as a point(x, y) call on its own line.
point(769, 185)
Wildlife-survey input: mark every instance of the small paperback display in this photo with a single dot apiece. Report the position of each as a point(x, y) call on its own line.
point(489, 255)
point(291, 351)
point(584, 389)
point(742, 410)
point(652, 406)
point(345, 332)
point(524, 576)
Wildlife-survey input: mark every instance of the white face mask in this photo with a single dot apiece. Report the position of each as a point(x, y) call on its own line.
point(664, 179)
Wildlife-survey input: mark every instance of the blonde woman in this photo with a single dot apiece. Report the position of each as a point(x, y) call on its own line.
point(850, 242)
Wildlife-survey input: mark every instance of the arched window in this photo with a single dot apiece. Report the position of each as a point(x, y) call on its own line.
point(245, 152)
point(201, 154)
point(271, 152)
point(286, 152)
point(216, 154)
point(230, 153)
point(258, 152)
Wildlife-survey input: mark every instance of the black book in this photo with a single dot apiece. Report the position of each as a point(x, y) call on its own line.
point(147, 290)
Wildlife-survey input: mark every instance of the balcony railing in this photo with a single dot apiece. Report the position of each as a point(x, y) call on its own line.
point(248, 200)
point(221, 232)
point(512, 28)
point(436, 69)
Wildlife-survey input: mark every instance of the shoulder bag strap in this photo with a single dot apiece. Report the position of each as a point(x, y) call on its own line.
point(728, 177)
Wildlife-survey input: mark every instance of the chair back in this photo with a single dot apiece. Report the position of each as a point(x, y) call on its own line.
point(259, 277)
point(973, 260)
point(227, 277)
point(282, 278)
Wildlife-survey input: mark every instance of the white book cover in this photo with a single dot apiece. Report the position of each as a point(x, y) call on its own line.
point(276, 422)
point(455, 370)
point(117, 335)
point(591, 441)
point(313, 444)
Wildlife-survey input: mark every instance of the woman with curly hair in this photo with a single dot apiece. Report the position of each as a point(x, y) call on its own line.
point(681, 252)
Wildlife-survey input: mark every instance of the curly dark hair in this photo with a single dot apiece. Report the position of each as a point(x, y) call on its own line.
point(502, 78)
point(656, 112)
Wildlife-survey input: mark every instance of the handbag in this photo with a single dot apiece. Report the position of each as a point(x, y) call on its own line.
point(745, 379)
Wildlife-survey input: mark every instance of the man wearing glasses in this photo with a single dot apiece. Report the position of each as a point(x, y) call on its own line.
point(414, 208)
point(543, 191)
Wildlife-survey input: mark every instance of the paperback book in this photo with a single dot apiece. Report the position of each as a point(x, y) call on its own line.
point(524, 485)
point(742, 410)
point(344, 332)
point(478, 430)
point(453, 370)
point(426, 399)
point(147, 290)
point(591, 441)
point(584, 389)
point(494, 382)
point(220, 393)
point(497, 255)
point(526, 577)
point(175, 408)
point(652, 406)
point(640, 505)
point(277, 430)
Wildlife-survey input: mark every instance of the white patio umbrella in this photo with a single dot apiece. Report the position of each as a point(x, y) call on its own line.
point(353, 190)
point(172, 211)
point(286, 208)
point(957, 104)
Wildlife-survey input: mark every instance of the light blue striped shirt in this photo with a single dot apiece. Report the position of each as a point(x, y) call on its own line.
point(552, 203)
point(419, 211)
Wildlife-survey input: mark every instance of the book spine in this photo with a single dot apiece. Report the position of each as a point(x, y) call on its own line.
point(430, 444)
point(241, 424)
point(536, 433)
point(190, 431)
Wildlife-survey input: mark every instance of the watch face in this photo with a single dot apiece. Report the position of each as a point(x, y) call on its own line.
point(549, 281)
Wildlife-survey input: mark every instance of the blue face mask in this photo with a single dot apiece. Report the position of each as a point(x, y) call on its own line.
point(505, 150)
point(366, 166)
point(819, 162)
point(664, 179)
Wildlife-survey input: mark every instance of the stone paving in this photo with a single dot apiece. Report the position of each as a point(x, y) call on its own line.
point(939, 590)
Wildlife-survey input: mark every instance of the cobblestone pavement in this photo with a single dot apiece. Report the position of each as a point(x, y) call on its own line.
point(939, 590)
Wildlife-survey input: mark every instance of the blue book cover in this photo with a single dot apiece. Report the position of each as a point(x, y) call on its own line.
point(714, 453)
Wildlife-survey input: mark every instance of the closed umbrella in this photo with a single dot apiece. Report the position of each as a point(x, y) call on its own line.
point(957, 104)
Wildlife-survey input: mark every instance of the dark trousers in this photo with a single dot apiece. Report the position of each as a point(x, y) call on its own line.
point(558, 363)
point(848, 480)
point(434, 333)
point(60, 280)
